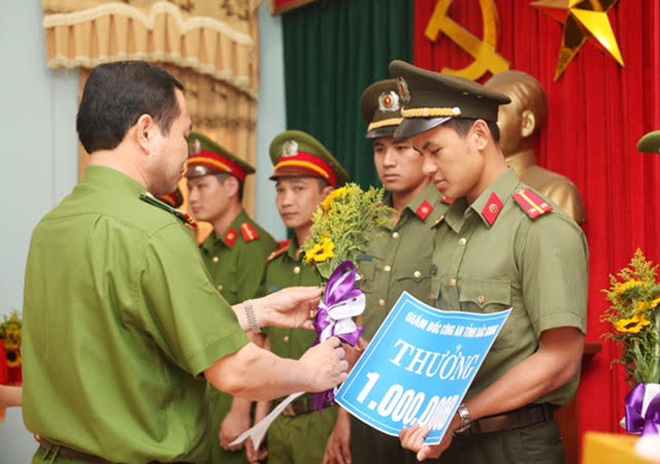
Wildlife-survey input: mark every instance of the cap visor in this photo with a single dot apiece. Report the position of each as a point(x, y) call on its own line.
point(410, 127)
point(381, 132)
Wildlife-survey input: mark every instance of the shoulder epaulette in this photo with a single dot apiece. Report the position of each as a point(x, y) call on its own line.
point(532, 204)
point(424, 210)
point(280, 252)
point(183, 217)
point(248, 232)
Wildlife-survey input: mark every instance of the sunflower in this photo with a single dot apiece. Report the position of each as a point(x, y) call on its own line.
point(632, 325)
point(321, 252)
point(340, 192)
point(628, 286)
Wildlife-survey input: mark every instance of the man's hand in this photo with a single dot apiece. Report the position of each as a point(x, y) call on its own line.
point(413, 439)
point(290, 308)
point(258, 455)
point(338, 448)
point(325, 365)
point(235, 423)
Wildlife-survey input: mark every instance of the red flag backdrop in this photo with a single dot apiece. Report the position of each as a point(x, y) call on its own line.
point(597, 113)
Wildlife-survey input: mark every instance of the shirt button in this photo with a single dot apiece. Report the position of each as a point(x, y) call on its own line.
point(462, 241)
point(387, 268)
point(452, 283)
point(286, 339)
point(381, 303)
point(296, 270)
point(395, 235)
point(220, 287)
point(417, 274)
point(481, 299)
point(216, 259)
point(432, 296)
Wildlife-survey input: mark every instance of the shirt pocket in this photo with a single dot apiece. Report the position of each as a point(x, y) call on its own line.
point(490, 296)
point(415, 278)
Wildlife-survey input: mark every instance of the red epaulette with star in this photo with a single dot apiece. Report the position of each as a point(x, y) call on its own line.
point(284, 246)
point(492, 209)
point(531, 203)
point(248, 232)
point(424, 210)
point(230, 237)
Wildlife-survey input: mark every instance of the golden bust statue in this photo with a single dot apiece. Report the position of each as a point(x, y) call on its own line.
point(520, 123)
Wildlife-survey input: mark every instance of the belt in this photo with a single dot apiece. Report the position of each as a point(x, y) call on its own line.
point(302, 406)
point(69, 453)
point(523, 417)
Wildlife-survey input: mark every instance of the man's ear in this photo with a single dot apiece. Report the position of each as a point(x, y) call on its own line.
point(144, 132)
point(528, 123)
point(327, 190)
point(480, 134)
point(232, 185)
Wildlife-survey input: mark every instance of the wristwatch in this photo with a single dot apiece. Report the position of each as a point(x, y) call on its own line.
point(464, 414)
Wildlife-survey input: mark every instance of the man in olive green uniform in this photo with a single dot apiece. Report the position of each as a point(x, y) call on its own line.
point(122, 325)
point(499, 245)
point(399, 258)
point(305, 173)
point(235, 254)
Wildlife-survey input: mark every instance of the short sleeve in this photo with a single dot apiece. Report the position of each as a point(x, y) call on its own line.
point(180, 307)
point(555, 273)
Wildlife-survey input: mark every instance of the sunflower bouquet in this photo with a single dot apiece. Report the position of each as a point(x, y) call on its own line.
point(634, 314)
point(343, 226)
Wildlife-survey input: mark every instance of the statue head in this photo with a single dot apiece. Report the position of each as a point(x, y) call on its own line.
point(521, 120)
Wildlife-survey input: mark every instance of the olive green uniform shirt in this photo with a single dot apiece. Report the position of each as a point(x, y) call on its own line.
point(120, 320)
point(400, 258)
point(237, 260)
point(539, 267)
point(300, 439)
point(237, 264)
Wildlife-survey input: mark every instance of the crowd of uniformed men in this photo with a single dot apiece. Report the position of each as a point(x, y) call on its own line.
point(467, 235)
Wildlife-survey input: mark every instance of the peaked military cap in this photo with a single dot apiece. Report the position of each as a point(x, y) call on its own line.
point(650, 143)
point(430, 99)
point(208, 157)
point(295, 153)
point(381, 108)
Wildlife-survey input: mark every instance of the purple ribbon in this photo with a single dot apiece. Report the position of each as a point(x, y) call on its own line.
point(342, 301)
point(648, 422)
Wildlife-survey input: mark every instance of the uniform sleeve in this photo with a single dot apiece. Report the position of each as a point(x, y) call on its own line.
point(554, 273)
point(181, 309)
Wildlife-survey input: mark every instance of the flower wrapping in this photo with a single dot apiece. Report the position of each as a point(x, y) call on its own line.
point(342, 229)
point(643, 410)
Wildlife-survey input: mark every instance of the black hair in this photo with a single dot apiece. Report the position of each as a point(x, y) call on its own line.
point(223, 176)
point(463, 125)
point(117, 94)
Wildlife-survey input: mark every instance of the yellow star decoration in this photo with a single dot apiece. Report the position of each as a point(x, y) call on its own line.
point(582, 20)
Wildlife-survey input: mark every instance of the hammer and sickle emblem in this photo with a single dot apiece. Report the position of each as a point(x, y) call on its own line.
point(483, 51)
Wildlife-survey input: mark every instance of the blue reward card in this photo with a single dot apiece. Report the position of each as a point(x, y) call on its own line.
point(418, 367)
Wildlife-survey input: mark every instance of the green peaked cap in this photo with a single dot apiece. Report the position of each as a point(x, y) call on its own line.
point(430, 99)
point(296, 153)
point(650, 143)
point(209, 157)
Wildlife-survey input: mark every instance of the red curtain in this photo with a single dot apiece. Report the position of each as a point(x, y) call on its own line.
point(597, 113)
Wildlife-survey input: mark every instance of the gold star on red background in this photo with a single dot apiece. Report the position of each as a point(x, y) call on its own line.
point(583, 20)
